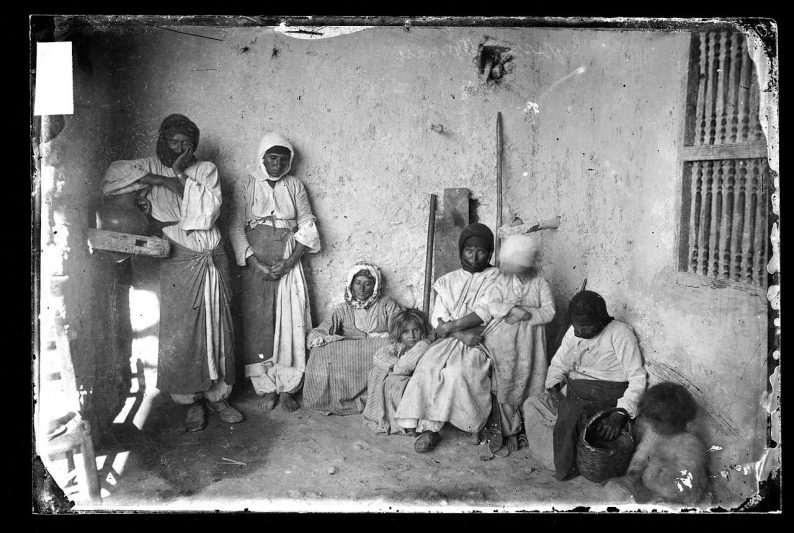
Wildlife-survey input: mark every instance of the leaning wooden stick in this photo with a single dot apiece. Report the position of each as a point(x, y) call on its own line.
point(498, 182)
point(431, 232)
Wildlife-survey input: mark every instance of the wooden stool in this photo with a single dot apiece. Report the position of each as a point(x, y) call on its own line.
point(74, 435)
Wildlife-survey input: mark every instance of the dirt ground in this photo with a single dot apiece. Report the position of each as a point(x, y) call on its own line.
point(307, 461)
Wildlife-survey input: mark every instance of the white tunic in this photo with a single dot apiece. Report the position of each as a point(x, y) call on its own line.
point(612, 355)
point(196, 212)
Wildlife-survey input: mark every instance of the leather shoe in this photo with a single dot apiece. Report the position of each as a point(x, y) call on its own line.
point(225, 412)
point(426, 441)
point(196, 418)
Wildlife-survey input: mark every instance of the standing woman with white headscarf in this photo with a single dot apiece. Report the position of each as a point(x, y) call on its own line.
point(271, 227)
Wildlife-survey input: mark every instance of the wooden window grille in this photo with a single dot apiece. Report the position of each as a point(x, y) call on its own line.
point(725, 197)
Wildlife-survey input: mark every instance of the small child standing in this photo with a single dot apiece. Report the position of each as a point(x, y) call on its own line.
point(393, 366)
point(520, 304)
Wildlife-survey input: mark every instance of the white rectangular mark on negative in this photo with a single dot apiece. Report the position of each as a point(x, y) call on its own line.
point(54, 92)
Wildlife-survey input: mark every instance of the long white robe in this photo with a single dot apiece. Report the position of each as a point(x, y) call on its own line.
point(519, 349)
point(452, 381)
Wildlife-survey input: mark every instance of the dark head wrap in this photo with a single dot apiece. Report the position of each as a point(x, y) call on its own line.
point(172, 125)
point(478, 234)
point(589, 307)
point(278, 149)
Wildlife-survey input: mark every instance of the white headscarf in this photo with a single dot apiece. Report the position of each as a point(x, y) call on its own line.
point(351, 274)
point(518, 253)
point(269, 140)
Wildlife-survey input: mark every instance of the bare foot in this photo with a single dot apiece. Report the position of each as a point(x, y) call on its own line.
point(288, 403)
point(512, 443)
point(268, 402)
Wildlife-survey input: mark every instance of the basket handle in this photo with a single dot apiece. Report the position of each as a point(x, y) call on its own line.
point(628, 423)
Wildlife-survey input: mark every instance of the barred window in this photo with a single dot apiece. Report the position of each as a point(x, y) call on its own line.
point(725, 198)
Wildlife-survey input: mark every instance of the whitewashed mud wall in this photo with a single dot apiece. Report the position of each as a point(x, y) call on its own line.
point(592, 129)
point(72, 152)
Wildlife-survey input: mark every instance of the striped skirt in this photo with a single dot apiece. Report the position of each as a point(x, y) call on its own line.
point(384, 395)
point(336, 376)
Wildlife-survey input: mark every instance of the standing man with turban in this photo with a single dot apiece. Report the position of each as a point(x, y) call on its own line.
point(196, 343)
point(271, 226)
point(520, 306)
point(600, 363)
point(452, 381)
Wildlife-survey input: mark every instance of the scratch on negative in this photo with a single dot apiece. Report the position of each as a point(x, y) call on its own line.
point(736, 389)
point(721, 419)
point(309, 32)
point(580, 70)
point(182, 32)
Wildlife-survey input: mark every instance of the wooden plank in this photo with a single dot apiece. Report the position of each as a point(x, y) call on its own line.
point(454, 217)
point(549, 223)
point(128, 243)
point(725, 151)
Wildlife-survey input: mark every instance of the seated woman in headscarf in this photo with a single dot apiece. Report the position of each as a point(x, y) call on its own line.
point(271, 227)
point(393, 366)
point(343, 345)
point(600, 364)
point(521, 303)
point(452, 381)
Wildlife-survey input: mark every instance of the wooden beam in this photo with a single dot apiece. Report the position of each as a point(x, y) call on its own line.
point(725, 151)
point(127, 243)
point(454, 217)
point(498, 183)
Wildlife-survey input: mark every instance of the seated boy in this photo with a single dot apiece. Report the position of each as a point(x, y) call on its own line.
point(600, 363)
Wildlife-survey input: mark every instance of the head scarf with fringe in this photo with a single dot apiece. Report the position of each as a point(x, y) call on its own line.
point(351, 275)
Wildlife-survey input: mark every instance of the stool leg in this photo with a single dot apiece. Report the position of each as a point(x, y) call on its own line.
point(90, 474)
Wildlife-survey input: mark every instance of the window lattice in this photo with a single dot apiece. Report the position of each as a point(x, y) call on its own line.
point(726, 173)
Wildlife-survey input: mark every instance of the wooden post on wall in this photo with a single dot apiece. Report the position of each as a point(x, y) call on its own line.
point(431, 232)
point(454, 217)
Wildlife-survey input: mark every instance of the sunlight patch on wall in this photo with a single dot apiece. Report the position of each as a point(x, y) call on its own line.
point(144, 309)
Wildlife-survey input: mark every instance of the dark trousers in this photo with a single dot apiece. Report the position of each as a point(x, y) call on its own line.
point(585, 397)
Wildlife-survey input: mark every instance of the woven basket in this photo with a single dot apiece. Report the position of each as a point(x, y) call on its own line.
point(600, 461)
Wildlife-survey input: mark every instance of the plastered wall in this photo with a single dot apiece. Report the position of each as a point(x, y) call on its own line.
point(592, 132)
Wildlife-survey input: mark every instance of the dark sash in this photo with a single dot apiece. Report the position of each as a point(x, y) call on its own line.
point(182, 363)
point(259, 295)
